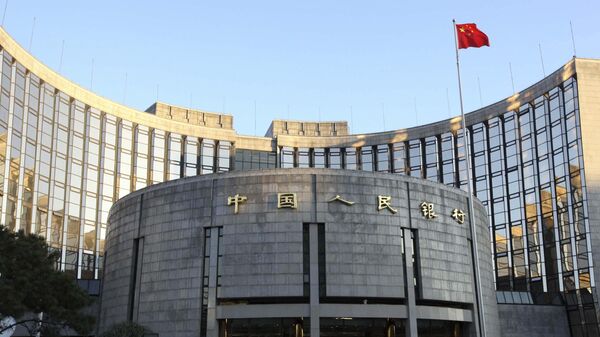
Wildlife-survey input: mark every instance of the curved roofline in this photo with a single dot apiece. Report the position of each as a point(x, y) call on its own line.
point(265, 143)
point(446, 125)
point(190, 108)
point(92, 99)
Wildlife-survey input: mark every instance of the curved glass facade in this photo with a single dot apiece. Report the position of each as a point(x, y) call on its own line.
point(66, 155)
point(64, 163)
point(527, 170)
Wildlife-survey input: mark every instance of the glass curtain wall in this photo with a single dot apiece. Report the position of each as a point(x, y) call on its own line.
point(63, 164)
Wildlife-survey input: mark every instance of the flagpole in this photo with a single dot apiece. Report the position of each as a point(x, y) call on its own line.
point(474, 250)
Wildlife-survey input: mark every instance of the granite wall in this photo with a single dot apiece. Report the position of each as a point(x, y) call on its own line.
point(155, 250)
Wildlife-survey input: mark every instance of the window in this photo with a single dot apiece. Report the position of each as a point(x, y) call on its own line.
point(350, 158)
point(223, 156)
point(414, 151)
point(253, 160)
point(399, 155)
point(319, 158)
point(140, 178)
point(431, 159)
point(191, 156)
point(366, 157)
point(448, 177)
point(208, 156)
point(335, 158)
point(383, 158)
point(158, 156)
point(287, 157)
point(303, 157)
point(174, 166)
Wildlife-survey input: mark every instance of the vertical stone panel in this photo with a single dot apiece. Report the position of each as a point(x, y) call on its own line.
point(588, 85)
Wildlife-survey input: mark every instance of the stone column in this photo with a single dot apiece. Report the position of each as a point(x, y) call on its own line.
point(313, 239)
point(212, 328)
point(411, 304)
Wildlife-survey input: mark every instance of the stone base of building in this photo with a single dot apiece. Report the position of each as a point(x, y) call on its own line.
point(533, 320)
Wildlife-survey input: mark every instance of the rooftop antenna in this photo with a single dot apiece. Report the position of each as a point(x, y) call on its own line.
point(479, 86)
point(573, 39)
point(512, 80)
point(383, 114)
point(31, 36)
point(4, 14)
point(448, 101)
point(416, 112)
point(255, 117)
point(92, 76)
point(351, 119)
point(125, 89)
point(62, 51)
point(542, 59)
point(319, 113)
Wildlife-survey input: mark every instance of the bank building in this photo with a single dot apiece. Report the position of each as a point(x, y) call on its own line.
point(177, 222)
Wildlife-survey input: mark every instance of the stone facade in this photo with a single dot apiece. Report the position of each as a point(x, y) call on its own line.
point(195, 117)
point(305, 128)
point(533, 320)
point(154, 266)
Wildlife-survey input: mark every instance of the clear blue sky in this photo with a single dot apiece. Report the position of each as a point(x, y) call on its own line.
point(303, 56)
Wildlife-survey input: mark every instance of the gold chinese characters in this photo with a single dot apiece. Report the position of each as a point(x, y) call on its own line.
point(384, 201)
point(343, 201)
point(427, 210)
point(458, 215)
point(290, 200)
point(287, 200)
point(236, 200)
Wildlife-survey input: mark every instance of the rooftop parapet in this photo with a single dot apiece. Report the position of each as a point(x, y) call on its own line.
point(196, 117)
point(300, 128)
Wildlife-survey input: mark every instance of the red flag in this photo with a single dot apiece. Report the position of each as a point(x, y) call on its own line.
point(469, 36)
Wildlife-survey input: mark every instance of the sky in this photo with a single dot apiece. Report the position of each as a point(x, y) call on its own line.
point(380, 65)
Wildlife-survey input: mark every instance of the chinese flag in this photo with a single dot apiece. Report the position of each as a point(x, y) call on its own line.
point(469, 36)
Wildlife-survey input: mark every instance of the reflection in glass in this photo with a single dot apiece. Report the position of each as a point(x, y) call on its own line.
point(366, 157)
point(414, 153)
point(191, 156)
point(253, 160)
point(399, 155)
point(158, 156)
point(318, 158)
point(350, 161)
point(125, 158)
point(383, 158)
point(303, 157)
point(287, 157)
point(431, 159)
point(208, 156)
point(335, 158)
point(140, 172)
point(174, 161)
point(224, 156)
